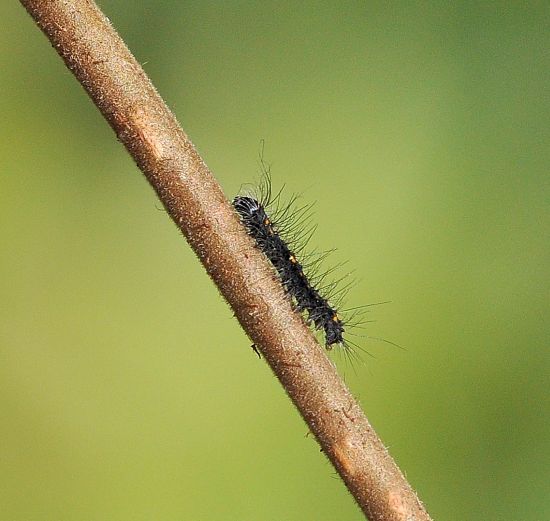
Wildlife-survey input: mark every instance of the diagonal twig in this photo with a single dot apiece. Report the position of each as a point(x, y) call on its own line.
point(119, 87)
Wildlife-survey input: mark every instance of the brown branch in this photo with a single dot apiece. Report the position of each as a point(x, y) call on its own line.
point(118, 86)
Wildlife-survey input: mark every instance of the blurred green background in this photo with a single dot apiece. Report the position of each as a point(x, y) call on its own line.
point(127, 389)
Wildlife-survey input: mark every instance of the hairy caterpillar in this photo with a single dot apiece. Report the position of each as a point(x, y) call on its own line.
point(281, 232)
point(296, 283)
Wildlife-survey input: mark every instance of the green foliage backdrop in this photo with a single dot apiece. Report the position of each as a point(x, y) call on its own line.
point(127, 389)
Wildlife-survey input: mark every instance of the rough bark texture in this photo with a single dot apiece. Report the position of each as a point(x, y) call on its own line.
point(118, 86)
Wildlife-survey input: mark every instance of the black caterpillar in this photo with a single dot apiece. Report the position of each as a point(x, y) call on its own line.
point(281, 238)
point(295, 282)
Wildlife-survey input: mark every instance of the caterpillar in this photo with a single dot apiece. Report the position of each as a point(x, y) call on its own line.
point(280, 231)
point(295, 282)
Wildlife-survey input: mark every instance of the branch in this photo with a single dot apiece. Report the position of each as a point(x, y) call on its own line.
point(120, 89)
